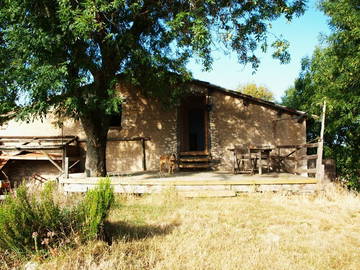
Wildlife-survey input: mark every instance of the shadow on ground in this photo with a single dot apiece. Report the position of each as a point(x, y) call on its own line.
point(130, 232)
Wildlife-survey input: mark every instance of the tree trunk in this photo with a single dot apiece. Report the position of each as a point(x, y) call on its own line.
point(96, 131)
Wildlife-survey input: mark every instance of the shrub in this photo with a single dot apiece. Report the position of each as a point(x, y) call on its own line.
point(25, 221)
point(95, 208)
point(29, 224)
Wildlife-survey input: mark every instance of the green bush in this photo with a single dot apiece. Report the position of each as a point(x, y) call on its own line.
point(95, 208)
point(29, 224)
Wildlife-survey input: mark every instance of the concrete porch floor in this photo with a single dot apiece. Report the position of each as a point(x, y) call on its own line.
point(217, 181)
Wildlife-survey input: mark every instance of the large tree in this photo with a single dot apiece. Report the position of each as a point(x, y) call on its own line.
point(65, 55)
point(333, 74)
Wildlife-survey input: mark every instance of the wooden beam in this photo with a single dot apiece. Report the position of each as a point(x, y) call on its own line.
point(71, 141)
point(63, 158)
point(52, 161)
point(305, 145)
point(253, 180)
point(36, 137)
point(306, 170)
point(118, 139)
point(31, 147)
point(72, 165)
point(66, 167)
point(319, 167)
point(307, 157)
point(25, 157)
point(144, 154)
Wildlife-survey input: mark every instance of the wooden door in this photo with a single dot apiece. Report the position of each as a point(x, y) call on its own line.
point(194, 125)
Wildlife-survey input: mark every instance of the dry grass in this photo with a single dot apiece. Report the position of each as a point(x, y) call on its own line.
point(252, 231)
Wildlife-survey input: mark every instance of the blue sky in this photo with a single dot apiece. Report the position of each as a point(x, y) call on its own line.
point(303, 33)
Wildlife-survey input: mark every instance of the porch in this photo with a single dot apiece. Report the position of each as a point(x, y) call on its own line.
point(196, 184)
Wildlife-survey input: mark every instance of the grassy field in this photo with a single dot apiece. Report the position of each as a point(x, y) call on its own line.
point(251, 231)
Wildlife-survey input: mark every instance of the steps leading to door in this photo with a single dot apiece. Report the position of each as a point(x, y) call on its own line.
point(194, 160)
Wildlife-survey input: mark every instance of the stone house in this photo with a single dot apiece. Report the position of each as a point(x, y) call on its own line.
point(209, 121)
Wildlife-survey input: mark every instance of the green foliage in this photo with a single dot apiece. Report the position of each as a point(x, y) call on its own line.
point(332, 74)
point(256, 91)
point(95, 208)
point(25, 222)
point(29, 224)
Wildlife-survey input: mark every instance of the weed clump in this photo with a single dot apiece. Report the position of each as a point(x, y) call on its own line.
point(39, 225)
point(95, 209)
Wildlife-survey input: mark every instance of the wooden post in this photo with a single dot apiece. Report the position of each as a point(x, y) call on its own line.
point(63, 157)
point(278, 165)
point(296, 162)
point(144, 153)
point(260, 162)
point(319, 166)
point(66, 169)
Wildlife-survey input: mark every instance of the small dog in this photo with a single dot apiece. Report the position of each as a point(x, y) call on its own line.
point(169, 162)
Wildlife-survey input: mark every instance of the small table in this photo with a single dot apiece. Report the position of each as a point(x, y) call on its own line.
point(261, 151)
point(245, 152)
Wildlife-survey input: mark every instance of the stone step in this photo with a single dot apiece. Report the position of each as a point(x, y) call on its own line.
point(207, 193)
point(194, 165)
point(195, 159)
point(194, 153)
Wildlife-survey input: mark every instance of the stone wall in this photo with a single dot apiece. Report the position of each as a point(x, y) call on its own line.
point(144, 117)
point(234, 121)
point(141, 117)
point(231, 121)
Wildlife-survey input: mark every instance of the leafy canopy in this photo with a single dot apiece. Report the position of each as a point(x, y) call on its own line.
point(333, 74)
point(65, 54)
point(256, 91)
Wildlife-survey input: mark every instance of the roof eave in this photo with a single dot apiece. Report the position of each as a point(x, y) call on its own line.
point(251, 98)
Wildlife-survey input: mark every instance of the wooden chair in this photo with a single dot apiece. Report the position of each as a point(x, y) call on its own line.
point(243, 159)
point(260, 156)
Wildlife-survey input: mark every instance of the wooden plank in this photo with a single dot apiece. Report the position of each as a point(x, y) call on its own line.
point(311, 145)
point(306, 145)
point(307, 157)
point(254, 180)
point(72, 165)
point(52, 161)
point(21, 157)
point(31, 147)
point(195, 191)
point(319, 167)
point(71, 141)
point(306, 171)
point(123, 139)
point(36, 137)
point(195, 159)
point(194, 153)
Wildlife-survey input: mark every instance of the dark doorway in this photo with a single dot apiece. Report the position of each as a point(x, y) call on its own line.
point(196, 120)
point(193, 124)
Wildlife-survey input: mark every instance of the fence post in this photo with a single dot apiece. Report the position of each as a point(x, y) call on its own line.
point(319, 165)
